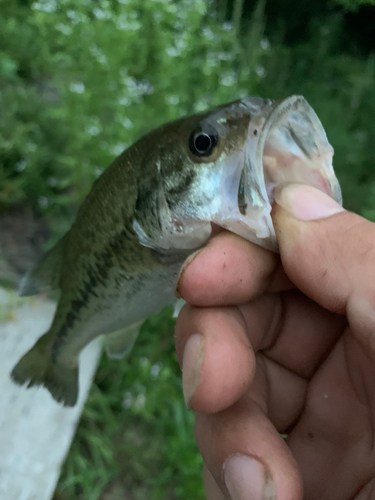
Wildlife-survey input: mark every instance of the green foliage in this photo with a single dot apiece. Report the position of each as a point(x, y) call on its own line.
point(136, 436)
point(354, 4)
point(80, 80)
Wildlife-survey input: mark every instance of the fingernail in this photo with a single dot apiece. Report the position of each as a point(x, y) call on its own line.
point(191, 366)
point(185, 265)
point(247, 479)
point(306, 202)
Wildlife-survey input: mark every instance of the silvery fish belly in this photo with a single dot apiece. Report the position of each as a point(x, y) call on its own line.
point(160, 200)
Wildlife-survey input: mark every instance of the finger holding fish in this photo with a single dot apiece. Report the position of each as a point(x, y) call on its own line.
point(230, 270)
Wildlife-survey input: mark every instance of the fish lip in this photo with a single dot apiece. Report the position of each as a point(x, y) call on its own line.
point(273, 114)
point(278, 110)
point(297, 140)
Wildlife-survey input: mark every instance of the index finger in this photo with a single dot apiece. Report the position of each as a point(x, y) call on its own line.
point(230, 270)
point(329, 254)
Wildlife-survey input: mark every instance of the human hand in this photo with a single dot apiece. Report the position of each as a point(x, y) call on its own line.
point(274, 345)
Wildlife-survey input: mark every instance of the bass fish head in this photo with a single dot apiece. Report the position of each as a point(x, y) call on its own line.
point(221, 167)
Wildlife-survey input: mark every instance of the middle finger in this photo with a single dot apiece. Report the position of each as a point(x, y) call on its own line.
point(216, 346)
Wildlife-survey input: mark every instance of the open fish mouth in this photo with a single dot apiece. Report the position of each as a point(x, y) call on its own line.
point(292, 147)
point(287, 143)
point(295, 148)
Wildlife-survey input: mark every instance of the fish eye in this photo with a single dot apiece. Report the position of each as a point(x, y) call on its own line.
point(202, 142)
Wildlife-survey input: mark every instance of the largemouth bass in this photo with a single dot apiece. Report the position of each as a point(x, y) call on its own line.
point(159, 201)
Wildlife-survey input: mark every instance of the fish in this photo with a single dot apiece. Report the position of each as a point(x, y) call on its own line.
point(162, 199)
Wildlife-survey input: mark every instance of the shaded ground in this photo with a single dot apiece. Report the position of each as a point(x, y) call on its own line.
point(35, 431)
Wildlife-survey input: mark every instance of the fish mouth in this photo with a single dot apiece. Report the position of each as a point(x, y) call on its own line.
point(292, 146)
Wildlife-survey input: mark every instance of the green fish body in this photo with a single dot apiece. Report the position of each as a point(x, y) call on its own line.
point(159, 201)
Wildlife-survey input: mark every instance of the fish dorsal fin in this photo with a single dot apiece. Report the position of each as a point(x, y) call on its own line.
point(45, 276)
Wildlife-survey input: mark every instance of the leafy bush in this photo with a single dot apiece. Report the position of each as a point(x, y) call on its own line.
point(355, 4)
point(82, 80)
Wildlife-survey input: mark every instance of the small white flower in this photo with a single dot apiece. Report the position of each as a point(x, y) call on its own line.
point(118, 148)
point(51, 181)
point(64, 29)
point(123, 100)
point(127, 400)
point(126, 123)
point(99, 13)
point(260, 71)
point(77, 87)
point(228, 79)
point(144, 362)
point(172, 100)
point(20, 166)
point(265, 44)
point(208, 33)
point(93, 130)
point(155, 370)
point(31, 147)
point(43, 201)
point(140, 401)
point(172, 51)
point(45, 5)
point(98, 171)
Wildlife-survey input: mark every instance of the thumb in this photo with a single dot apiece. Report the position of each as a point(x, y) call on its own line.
point(329, 254)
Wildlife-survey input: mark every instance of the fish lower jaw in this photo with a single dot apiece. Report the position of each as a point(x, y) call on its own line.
point(294, 148)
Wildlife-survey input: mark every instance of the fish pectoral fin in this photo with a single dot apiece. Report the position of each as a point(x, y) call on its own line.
point(178, 305)
point(45, 276)
point(37, 368)
point(119, 344)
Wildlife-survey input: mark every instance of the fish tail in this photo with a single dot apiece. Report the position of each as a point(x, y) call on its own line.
point(38, 368)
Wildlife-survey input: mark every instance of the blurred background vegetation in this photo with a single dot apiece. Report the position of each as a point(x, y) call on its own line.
point(79, 81)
